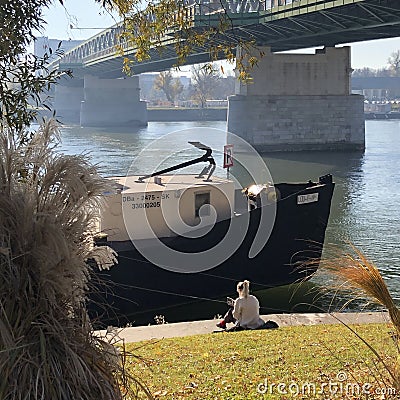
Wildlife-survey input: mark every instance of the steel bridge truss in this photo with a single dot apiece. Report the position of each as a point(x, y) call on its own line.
point(280, 24)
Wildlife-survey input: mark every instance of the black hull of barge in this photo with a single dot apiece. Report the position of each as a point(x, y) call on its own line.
point(134, 290)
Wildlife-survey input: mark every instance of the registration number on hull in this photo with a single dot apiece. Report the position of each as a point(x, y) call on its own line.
point(307, 198)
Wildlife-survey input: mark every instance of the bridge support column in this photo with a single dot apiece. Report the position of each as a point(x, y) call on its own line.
point(112, 102)
point(299, 102)
point(67, 100)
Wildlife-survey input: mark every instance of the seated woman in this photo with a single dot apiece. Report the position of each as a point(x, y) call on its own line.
point(246, 310)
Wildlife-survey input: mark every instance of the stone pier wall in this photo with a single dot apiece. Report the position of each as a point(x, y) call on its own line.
point(299, 102)
point(295, 123)
point(67, 102)
point(112, 102)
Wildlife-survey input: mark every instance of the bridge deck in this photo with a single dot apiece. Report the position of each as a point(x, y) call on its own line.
point(280, 24)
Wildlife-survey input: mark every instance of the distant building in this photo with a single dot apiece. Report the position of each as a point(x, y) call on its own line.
point(185, 81)
point(377, 88)
point(43, 44)
point(146, 82)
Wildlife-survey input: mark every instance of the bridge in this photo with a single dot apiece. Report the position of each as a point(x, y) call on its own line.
point(327, 116)
point(278, 24)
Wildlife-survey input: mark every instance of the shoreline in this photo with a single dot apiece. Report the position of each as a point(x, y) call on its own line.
point(181, 329)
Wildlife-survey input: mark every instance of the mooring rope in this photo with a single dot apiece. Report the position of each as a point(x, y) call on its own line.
point(192, 297)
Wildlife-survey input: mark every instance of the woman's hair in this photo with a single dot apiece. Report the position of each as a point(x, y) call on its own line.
point(243, 288)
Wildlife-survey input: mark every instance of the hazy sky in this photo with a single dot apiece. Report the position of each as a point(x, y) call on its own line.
point(86, 14)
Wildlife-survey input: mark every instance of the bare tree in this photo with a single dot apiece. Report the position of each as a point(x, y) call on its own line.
point(394, 62)
point(171, 86)
point(205, 82)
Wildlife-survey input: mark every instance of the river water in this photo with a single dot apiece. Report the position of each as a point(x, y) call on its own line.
point(365, 209)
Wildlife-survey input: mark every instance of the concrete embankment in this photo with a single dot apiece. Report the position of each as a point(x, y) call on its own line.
point(186, 114)
point(382, 116)
point(179, 329)
point(166, 115)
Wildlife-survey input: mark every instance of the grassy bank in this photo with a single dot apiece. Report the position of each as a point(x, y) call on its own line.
point(312, 361)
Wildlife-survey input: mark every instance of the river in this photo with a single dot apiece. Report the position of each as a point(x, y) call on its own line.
point(365, 208)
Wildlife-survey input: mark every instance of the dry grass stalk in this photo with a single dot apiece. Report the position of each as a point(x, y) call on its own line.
point(47, 203)
point(357, 274)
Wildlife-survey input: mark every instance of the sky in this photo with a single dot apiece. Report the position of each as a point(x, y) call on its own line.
point(85, 14)
point(75, 20)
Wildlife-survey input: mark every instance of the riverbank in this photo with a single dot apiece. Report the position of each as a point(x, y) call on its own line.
point(182, 329)
point(173, 114)
point(305, 361)
point(177, 114)
point(380, 116)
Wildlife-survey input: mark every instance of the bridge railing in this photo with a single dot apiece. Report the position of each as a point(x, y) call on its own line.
point(105, 43)
point(203, 13)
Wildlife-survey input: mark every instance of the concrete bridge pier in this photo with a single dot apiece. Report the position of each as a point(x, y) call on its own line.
point(67, 100)
point(299, 102)
point(112, 102)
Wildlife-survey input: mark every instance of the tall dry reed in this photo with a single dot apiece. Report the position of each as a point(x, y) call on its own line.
point(357, 275)
point(48, 203)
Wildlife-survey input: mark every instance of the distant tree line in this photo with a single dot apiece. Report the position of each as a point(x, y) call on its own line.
point(393, 68)
point(206, 83)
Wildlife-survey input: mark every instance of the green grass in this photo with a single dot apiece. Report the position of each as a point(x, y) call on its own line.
point(233, 365)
